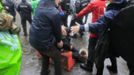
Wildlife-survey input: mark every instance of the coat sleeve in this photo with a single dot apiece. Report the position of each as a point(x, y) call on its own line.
point(101, 24)
point(56, 25)
point(89, 8)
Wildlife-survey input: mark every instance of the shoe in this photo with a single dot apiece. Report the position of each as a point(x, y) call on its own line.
point(112, 69)
point(86, 67)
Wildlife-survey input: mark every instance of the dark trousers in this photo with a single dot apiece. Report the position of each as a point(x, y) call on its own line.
point(23, 22)
point(54, 54)
point(91, 51)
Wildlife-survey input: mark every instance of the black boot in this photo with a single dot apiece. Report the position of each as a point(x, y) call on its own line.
point(86, 67)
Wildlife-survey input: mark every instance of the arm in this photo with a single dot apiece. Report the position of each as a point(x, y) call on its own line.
point(101, 23)
point(89, 8)
point(95, 27)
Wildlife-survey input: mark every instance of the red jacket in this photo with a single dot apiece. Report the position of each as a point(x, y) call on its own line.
point(97, 8)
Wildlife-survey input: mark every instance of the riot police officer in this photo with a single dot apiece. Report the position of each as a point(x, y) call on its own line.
point(25, 11)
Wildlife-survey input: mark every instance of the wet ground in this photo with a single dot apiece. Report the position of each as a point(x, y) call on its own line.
point(31, 66)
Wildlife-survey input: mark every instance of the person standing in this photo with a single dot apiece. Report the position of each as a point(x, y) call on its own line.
point(46, 35)
point(97, 8)
point(25, 11)
point(102, 24)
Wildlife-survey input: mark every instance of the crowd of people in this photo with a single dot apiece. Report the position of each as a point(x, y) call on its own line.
point(49, 33)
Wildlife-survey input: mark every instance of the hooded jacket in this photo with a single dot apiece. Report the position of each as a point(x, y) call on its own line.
point(45, 30)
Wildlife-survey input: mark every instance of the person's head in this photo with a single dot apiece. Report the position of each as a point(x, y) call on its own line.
point(117, 1)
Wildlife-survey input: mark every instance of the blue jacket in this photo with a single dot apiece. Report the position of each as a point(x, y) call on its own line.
point(45, 30)
point(103, 22)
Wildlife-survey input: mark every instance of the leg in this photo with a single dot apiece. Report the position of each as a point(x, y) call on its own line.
point(29, 19)
point(90, 61)
point(23, 22)
point(99, 65)
point(57, 60)
point(91, 47)
point(45, 65)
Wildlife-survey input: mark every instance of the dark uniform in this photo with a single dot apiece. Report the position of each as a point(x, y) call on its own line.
point(45, 33)
point(25, 11)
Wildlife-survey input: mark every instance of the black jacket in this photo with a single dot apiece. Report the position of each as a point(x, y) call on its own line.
point(24, 9)
point(45, 30)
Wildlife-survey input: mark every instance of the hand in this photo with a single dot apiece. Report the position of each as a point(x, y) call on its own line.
point(63, 30)
point(60, 44)
point(75, 28)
